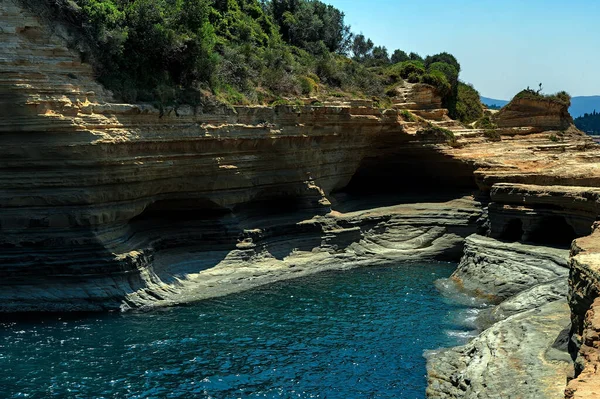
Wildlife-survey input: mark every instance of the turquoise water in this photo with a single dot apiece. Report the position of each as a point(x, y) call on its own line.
point(354, 334)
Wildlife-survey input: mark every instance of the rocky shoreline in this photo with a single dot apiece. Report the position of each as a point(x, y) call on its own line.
point(102, 204)
point(522, 350)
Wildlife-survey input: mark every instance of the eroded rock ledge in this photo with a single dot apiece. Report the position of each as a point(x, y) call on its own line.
point(522, 352)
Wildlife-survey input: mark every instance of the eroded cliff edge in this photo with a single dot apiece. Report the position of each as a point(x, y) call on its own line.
point(94, 192)
point(102, 203)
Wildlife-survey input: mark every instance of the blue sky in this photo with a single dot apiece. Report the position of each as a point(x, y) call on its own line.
point(503, 46)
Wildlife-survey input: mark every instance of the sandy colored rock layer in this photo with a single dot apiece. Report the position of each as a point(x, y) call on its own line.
point(584, 299)
point(540, 114)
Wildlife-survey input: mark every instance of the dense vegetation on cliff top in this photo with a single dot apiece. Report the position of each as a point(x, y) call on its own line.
point(245, 51)
point(562, 97)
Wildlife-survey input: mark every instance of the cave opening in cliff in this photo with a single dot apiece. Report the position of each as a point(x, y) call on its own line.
point(178, 223)
point(180, 210)
point(513, 231)
point(416, 171)
point(552, 230)
point(273, 205)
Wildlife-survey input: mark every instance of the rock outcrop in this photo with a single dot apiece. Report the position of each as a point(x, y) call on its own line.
point(514, 358)
point(550, 213)
point(522, 350)
point(529, 279)
point(500, 270)
point(537, 112)
point(280, 250)
point(584, 299)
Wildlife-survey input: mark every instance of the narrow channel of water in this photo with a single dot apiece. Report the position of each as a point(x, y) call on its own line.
point(353, 334)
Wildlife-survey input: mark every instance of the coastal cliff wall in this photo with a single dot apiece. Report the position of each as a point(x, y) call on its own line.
point(93, 189)
point(584, 298)
point(108, 206)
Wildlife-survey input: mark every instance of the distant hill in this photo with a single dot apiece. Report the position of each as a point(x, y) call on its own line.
point(584, 105)
point(494, 102)
point(579, 105)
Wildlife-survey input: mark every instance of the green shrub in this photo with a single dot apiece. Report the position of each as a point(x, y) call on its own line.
point(382, 103)
point(561, 97)
point(170, 52)
point(409, 68)
point(492, 135)
point(414, 78)
point(391, 91)
point(468, 104)
point(445, 58)
point(440, 134)
point(438, 80)
point(408, 116)
point(307, 85)
point(448, 70)
point(230, 95)
point(399, 56)
point(314, 77)
point(485, 122)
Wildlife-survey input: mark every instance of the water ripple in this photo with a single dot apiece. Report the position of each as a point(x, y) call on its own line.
point(353, 334)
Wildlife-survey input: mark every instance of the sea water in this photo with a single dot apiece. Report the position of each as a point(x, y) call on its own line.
point(354, 334)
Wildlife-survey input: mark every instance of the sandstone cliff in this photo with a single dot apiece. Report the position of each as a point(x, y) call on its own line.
point(584, 297)
point(93, 190)
point(102, 203)
point(536, 112)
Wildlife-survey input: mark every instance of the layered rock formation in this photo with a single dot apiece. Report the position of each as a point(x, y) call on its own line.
point(501, 270)
point(584, 298)
point(522, 350)
point(536, 112)
point(93, 190)
point(514, 358)
point(523, 353)
point(108, 206)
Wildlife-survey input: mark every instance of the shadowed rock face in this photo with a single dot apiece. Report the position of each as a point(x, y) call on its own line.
point(543, 214)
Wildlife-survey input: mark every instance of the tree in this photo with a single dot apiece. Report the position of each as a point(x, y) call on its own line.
point(362, 48)
point(468, 104)
point(447, 69)
point(415, 57)
point(305, 23)
point(399, 56)
point(380, 55)
point(442, 57)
